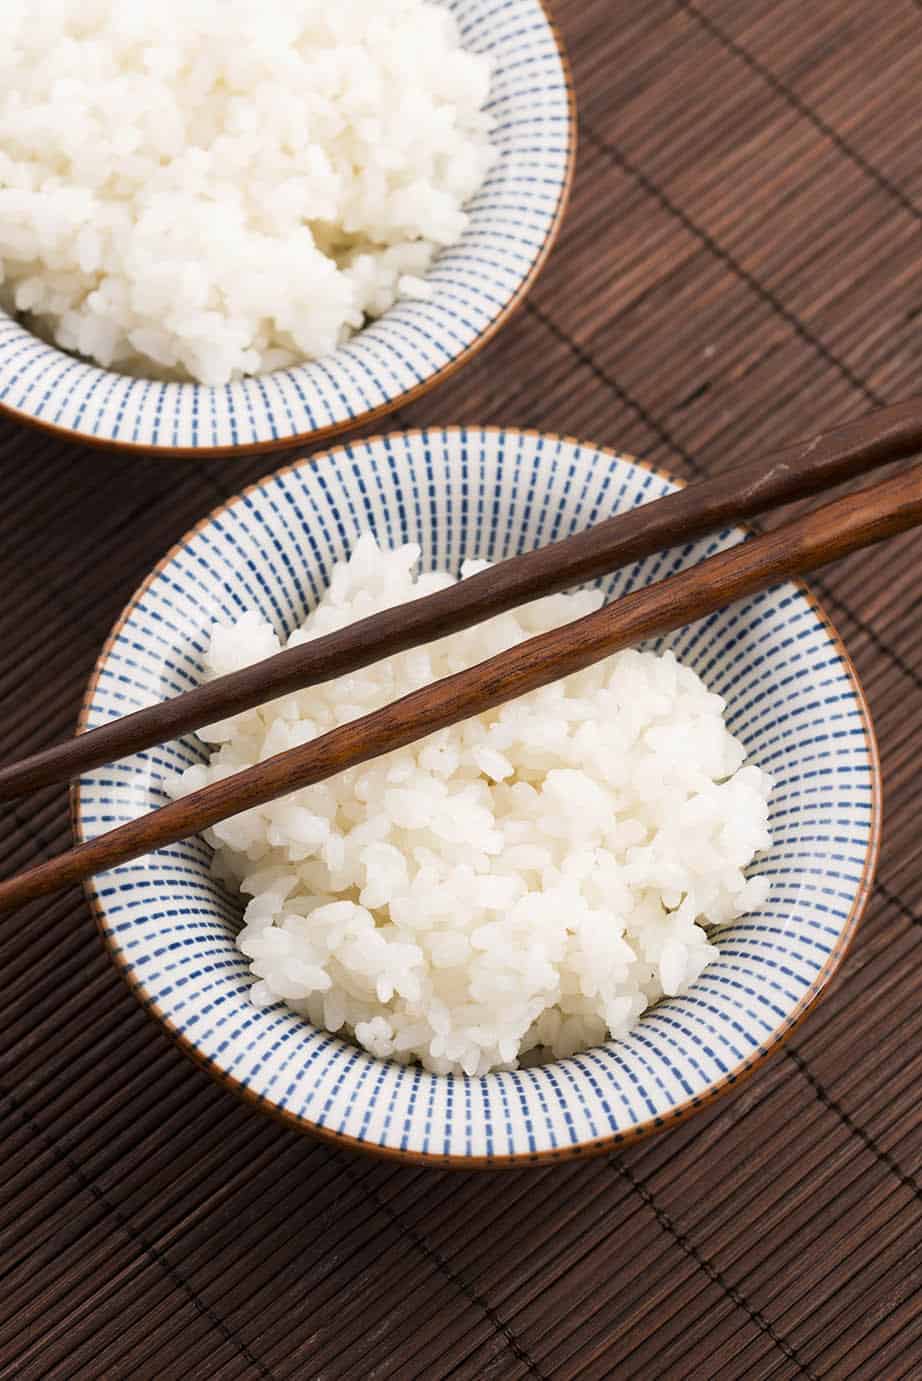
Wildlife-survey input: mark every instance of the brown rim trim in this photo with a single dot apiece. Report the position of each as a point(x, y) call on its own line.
point(410, 395)
point(584, 1149)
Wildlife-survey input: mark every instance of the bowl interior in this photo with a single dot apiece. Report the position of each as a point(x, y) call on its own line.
point(463, 493)
point(513, 221)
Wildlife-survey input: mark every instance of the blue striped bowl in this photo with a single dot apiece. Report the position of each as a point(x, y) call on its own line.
point(793, 699)
point(514, 221)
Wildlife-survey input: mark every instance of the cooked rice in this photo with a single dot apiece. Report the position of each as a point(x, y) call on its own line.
point(519, 885)
point(211, 188)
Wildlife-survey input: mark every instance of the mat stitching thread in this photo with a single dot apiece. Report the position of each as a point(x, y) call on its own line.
point(768, 296)
point(433, 1254)
point(62, 1155)
point(903, 907)
point(140, 510)
point(890, 652)
point(909, 1181)
point(725, 257)
point(610, 383)
point(710, 1270)
point(667, 439)
point(842, 144)
point(43, 838)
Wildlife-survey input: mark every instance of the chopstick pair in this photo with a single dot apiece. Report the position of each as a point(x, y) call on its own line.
point(797, 547)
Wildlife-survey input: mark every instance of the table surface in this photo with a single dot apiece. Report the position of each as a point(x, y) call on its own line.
point(739, 266)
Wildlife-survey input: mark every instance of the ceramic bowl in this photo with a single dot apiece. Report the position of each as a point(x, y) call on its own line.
point(792, 698)
point(514, 221)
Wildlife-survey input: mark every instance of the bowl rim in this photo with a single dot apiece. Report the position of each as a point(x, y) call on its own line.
point(409, 395)
point(582, 1150)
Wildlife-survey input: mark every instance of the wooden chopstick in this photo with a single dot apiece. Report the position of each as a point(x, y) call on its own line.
point(832, 531)
point(797, 471)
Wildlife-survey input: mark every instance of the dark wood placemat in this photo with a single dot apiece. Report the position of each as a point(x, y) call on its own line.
point(739, 266)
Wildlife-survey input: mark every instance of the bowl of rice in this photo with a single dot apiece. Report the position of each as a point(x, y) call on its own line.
point(226, 226)
point(542, 933)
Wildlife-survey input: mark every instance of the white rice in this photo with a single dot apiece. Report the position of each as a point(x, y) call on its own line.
point(516, 886)
point(213, 188)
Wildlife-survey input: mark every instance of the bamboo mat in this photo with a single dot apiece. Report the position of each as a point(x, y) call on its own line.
point(739, 266)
